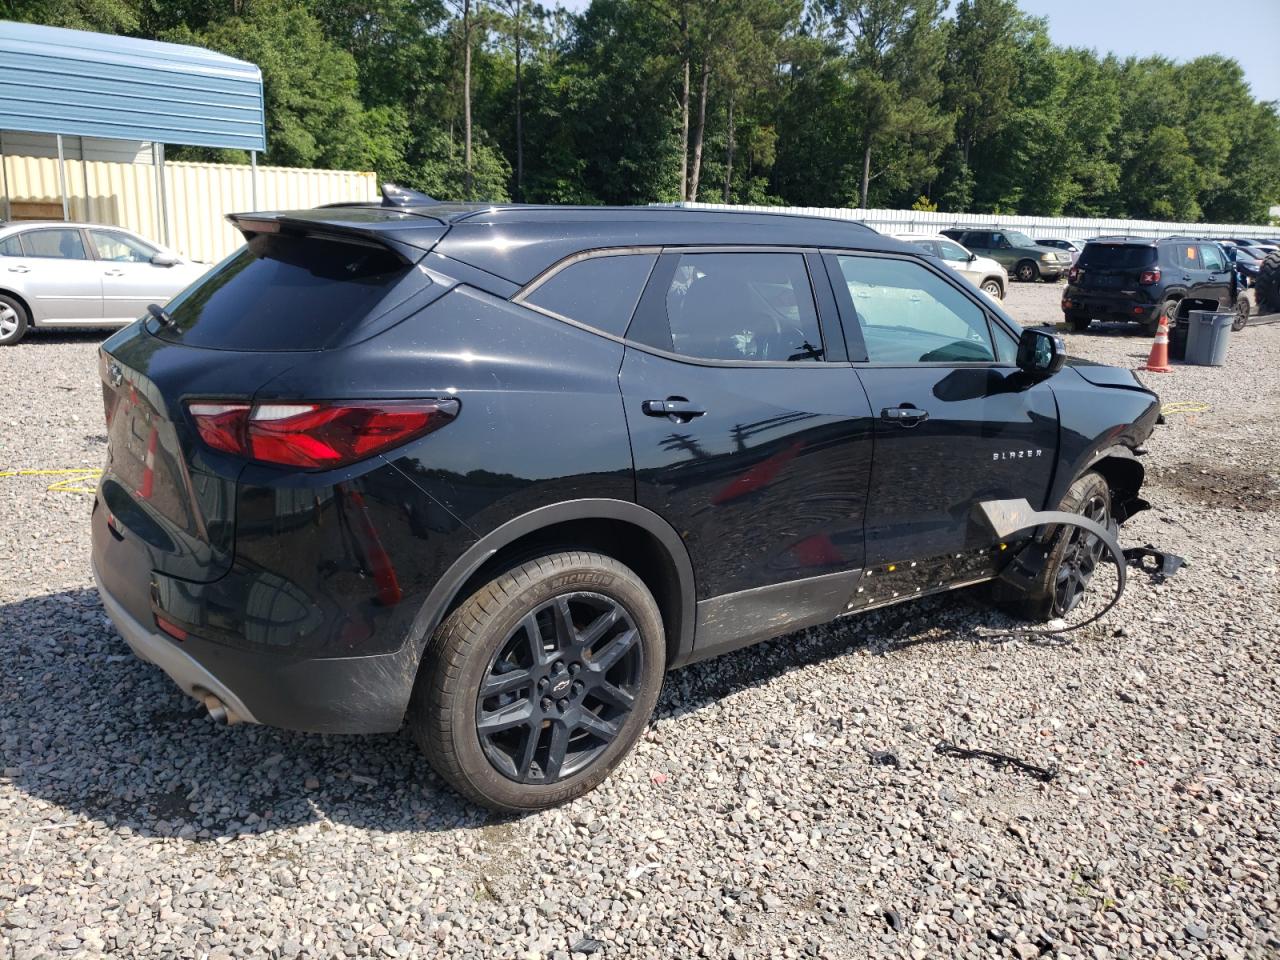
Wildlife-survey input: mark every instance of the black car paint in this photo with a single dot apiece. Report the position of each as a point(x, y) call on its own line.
point(765, 512)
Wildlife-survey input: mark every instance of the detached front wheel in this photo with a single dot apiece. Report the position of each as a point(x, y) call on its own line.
point(539, 684)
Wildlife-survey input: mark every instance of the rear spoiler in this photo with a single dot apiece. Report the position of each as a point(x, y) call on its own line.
point(410, 239)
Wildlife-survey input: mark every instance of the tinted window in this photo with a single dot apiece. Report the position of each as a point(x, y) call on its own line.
point(10, 247)
point(119, 248)
point(907, 314)
point(283, 293)
point(743, 306)
point(56, 244)
point(1117, 256)
point(976, 238)
point(601, 292)
point(1212, 257)
point(1189, 256)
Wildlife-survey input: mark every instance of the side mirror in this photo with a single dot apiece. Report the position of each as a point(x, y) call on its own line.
point(1040, 353)
point(165, 260)
point(973, 257)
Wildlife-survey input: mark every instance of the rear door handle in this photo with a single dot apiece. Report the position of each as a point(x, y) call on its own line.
point(113, 273)
point(678, 409)
point(19, 269)
point(904, 416)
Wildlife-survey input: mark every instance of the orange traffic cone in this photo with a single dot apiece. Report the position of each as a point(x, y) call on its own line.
point(1158, 362)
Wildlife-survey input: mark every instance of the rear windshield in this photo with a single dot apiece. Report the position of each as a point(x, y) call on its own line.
point(283, 292)
point(1118, 256)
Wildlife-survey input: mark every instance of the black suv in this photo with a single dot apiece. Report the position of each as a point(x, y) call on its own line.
point(1139, 279)
point(493, 469)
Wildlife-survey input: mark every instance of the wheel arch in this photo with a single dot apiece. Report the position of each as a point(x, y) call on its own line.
point(1124, 475)
point(623, 530)
point(14, 295)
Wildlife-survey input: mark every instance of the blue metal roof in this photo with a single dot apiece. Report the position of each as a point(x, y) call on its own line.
point(95, 85)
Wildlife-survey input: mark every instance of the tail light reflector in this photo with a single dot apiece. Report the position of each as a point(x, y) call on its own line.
point(317, 435)
point(1149, 277)
point(1073, 275)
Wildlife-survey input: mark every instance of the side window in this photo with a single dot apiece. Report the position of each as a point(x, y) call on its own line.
point(953, 251)
point(743, 306)
point(601, 292)
point(997, 241)
point(55, 244)
point(928, 246)
point(11, 247)
point(908, 314)
point(1212, 257)
point(976, 238)
point(119, 248)
point(1189, 256)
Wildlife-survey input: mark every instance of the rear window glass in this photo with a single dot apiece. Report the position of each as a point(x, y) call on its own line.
point(283, 292)
point(1119, 256)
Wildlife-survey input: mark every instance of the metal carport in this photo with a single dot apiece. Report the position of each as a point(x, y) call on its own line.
point(70, 82)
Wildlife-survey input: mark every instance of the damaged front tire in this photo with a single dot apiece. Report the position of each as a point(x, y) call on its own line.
point(1073, 556)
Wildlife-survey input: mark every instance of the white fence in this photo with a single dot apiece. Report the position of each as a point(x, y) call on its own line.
point(1065, 228)
point(200, 196)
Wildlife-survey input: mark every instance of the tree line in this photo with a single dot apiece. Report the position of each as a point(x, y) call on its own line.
point(881, 103)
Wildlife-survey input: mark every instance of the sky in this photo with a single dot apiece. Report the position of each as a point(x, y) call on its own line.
point(1178, 29)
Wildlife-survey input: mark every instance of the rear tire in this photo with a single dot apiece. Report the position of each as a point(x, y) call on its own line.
point(1242, 312)
point(1079, 322)
point(1072, 560)
point(1028, 271)
point(1267, 286)
point(1169, 310)
point(566, 707)
point(14, 321)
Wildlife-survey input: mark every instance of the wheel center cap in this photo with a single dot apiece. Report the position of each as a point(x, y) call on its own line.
point(560, 686)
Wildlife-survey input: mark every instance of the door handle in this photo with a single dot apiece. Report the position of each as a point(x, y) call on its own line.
point(19, 269)
point(113, 273)
point(1186, 278)
point(904, 416)
point(676, 409)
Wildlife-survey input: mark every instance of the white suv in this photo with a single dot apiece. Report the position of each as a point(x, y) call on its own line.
point(983, 272)
point(82, 275)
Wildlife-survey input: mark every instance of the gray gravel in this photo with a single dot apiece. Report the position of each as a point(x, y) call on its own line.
point(751, 821)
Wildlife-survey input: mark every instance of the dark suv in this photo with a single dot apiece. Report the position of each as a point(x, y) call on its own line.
point(493, 469)
point(1139, 279)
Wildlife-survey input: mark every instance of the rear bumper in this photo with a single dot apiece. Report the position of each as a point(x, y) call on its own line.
point(328, 695)
point(1108, 308)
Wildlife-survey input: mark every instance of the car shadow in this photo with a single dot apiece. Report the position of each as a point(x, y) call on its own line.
point(36, 336)
point(90, 728)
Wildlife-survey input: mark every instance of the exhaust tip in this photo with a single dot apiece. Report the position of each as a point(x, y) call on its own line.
point(219, 712)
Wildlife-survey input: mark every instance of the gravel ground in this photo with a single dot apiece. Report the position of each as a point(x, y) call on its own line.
point(751, 821)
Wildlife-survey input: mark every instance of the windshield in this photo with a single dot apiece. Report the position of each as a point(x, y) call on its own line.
point(1019, 239)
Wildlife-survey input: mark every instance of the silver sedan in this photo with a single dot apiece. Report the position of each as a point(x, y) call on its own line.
point(82, 275)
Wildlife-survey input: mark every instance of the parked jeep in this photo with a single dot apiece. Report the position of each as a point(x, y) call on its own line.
point(1140, 279)
point(1015, 251)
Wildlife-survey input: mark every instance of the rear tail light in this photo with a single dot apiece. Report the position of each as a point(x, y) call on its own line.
point(1073, 275)
point(1149, 277)
point(317, 435)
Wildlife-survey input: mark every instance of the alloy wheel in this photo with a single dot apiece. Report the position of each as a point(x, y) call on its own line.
point(1080, 559)
point(8, 321)
point(559, 688)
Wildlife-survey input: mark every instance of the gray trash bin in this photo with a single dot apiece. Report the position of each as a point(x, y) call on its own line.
point(1208, 336)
